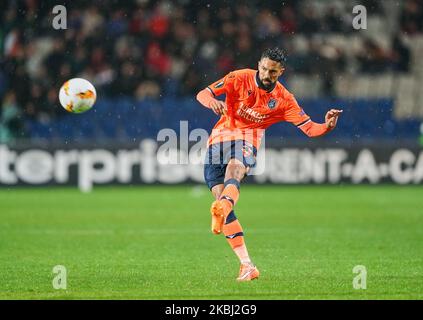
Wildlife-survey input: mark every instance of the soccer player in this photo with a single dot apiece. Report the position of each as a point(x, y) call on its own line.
point(255, 100)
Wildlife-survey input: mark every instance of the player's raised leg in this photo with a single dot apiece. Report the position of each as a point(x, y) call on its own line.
point(222, 210)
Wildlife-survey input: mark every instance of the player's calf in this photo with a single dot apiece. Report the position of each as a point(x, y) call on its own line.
point(221, 208)
point(230, 195)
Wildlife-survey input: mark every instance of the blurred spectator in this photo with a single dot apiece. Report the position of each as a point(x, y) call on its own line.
point(3, 82)
point(333, 20)
point(309, 21)
point(401, 55)
point(289, 23)
point(56, 58)
point(10, 119)
point(331, 61)
point(373, 6)
point(412, 17)
point(147, 89)
point(373, 58)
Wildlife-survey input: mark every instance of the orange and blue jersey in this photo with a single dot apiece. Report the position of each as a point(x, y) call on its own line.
point(251, 109)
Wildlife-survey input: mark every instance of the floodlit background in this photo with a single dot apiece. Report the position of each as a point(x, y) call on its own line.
point(321, 206)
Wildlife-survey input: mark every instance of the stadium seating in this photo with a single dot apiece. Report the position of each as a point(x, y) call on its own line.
point(132, 120)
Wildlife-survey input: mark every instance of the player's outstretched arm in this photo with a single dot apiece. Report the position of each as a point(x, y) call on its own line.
point(313, 129)
point(206, 98)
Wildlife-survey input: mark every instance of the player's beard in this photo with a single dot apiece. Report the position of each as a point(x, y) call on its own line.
point(268, 84)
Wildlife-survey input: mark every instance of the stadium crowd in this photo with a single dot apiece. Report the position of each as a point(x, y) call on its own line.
point(162, 48)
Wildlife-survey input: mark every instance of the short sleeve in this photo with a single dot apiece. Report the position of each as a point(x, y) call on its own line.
point(224, 85)
point(293, 113)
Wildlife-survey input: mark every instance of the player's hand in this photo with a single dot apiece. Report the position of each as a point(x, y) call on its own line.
point(218, 107)
point(331, 118)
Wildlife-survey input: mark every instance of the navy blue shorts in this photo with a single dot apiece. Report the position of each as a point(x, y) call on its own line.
point(218, 156)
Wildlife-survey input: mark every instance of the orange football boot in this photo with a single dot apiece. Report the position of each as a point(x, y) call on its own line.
point(248, 272)
point(218, 216)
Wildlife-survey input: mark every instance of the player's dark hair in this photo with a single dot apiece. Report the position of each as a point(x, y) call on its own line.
point(275, 54)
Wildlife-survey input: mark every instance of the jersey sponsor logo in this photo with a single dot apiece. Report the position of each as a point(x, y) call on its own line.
point(271, 104)
point(250, 114)
point(220, 84)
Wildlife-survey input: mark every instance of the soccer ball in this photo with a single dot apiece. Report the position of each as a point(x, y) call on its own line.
point(77, 95)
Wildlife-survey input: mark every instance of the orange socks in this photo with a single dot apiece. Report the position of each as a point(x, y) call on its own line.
point(234, 234)
point(230, 194)
point(232, 228)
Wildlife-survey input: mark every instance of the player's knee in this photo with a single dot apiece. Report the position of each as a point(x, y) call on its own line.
point(217, 195)
point(235, 170)
point(217, 191)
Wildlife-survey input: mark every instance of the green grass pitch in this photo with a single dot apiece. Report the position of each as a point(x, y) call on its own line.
point(155, 243)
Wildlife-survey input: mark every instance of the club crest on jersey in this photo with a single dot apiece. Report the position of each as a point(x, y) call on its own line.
point(220, 84)
point(247, 151)
point(271, 104)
